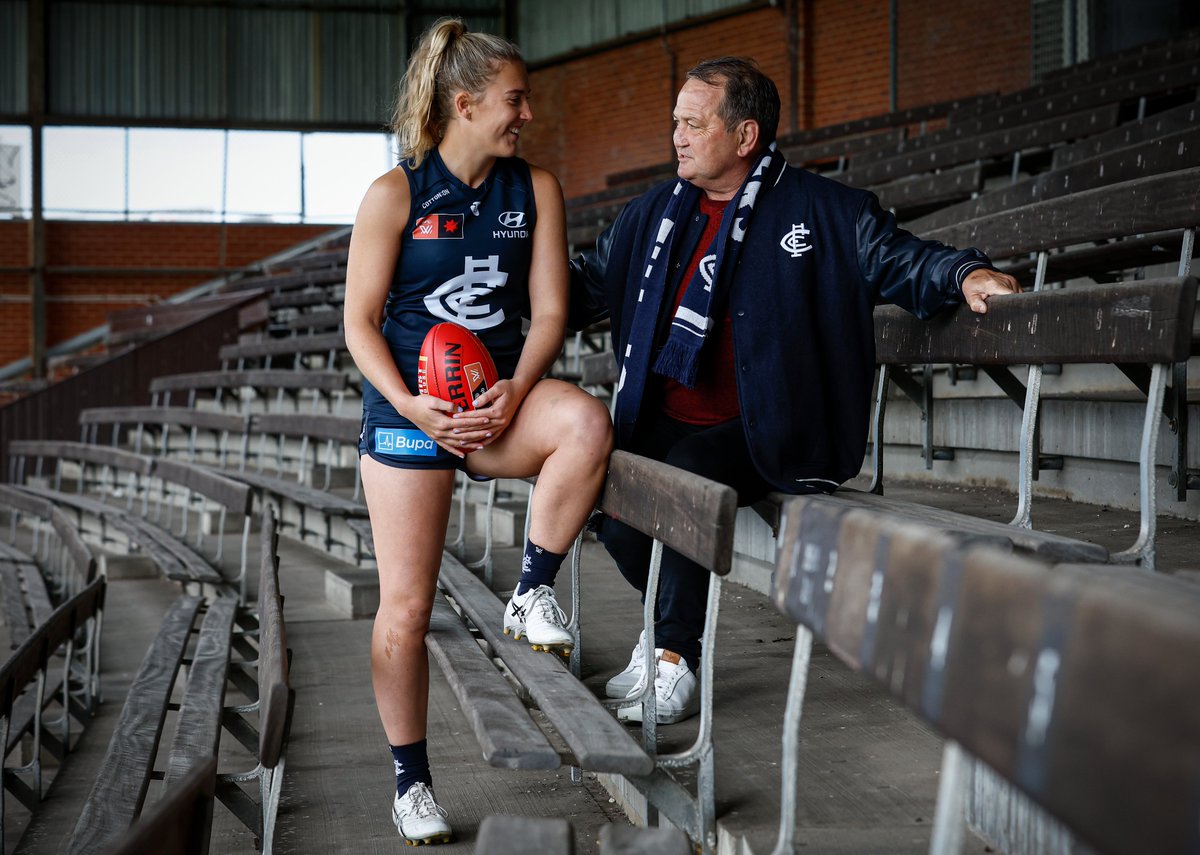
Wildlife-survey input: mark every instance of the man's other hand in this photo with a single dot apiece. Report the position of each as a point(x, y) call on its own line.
point(983, 283)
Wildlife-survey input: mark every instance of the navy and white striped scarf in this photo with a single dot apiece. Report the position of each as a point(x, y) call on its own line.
point(708, 289)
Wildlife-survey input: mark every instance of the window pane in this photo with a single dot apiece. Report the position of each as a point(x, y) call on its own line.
point(176, 174)
point(84, 171)
point(264, 176)
point(16, 191)
point(338, 168)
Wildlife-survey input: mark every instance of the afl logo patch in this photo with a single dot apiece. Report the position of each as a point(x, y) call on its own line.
point(512, 219)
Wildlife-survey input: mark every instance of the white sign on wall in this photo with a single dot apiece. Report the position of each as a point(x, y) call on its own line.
point(10, 178)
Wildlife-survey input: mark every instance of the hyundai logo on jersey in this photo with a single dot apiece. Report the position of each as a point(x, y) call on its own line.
point(513, 219)
point(397, 441)
point(438, 227)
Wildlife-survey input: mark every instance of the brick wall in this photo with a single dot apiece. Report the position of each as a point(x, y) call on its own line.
point(598, 114)
point(77, 302)
point(956, 50)
point(609, 111)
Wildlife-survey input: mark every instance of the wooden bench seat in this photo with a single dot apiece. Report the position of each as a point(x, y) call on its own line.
point(597, 741)
point(177, 559)
point(507, 735)
point(266, 735)
point(1007, 658)
point(119, 791)
point(294, 350)
point(29, 684)
point(322, 385)
point(178, 824)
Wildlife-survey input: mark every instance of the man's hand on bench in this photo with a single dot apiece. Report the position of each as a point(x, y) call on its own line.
point(982, 283)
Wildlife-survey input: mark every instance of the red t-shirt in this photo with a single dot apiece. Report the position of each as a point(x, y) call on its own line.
point(714, 398)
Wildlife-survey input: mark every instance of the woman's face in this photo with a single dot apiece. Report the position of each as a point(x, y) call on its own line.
point(497, 116)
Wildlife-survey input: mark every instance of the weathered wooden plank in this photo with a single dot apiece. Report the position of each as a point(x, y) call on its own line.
point(599, 742)
point(300, 344)
point(179, 416)
point(520, 835)
point(507, 735)
point(955, 183)
point(180, 823)
point(692, 515)
point(1052, 130)
point(97, 455)
point(322, 320)
point(199, 730)
point(235, 496)
point(315, 425)
point(274, 685)
point(1004, 655)
point(16, 618)
point(120, 789)
point(960, 527)
point(15, 497)
point(1173, 152)
point(1154, 204)
point(1148, 322)
point(849, 146)
point(1129, 134)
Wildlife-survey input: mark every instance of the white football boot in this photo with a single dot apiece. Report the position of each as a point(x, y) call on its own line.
point(418, 816)
point(536, 617)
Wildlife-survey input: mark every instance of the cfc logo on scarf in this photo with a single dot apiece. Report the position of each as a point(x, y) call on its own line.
point(795, 241)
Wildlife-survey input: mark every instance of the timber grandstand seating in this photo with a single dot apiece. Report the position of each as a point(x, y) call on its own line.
point(1085, 187)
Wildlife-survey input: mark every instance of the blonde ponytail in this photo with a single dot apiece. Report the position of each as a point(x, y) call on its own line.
point(448, 60)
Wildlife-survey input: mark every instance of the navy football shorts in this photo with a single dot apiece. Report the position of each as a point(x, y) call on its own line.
point(395, 441)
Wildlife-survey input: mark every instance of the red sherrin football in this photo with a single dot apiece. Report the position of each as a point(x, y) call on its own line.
point(455, 366)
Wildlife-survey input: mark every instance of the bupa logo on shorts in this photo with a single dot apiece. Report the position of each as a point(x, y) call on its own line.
point(402, 442)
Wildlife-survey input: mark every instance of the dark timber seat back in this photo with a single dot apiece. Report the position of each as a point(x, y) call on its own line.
point(1133, 325)
point(695, 517)
point(297, 348)
point(333, 432)
point(222, 426)
point(180, 823)
point(1075, 683)
point(77, 618)
point(322, 384)
point(272, 709)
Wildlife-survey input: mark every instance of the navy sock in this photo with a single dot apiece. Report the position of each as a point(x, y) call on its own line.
point(538, 567)
point(412, 765)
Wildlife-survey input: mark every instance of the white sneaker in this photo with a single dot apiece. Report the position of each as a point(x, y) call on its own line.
point(418, 816)
point(537, 617)
point(620, 685)
point(676, 691)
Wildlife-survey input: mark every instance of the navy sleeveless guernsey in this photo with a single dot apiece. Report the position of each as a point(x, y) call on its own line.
point(464, 257)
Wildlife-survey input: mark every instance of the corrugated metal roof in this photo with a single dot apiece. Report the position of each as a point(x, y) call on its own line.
point(14, 61)
point(544, 30)
point(336, 63)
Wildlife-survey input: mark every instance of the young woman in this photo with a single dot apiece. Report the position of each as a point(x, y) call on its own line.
point(464, 231)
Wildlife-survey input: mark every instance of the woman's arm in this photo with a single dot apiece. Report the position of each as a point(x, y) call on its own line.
point(548, 282)
point(374, 252)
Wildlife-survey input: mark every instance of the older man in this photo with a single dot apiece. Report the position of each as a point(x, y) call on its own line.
point(741, 297)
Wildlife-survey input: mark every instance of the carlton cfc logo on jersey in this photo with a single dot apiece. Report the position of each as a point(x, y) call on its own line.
point(439, 227)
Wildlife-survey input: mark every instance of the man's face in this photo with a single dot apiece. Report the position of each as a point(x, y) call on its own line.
point(707, 152)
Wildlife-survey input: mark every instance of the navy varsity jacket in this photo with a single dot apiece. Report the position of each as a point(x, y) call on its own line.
point(818, 257)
